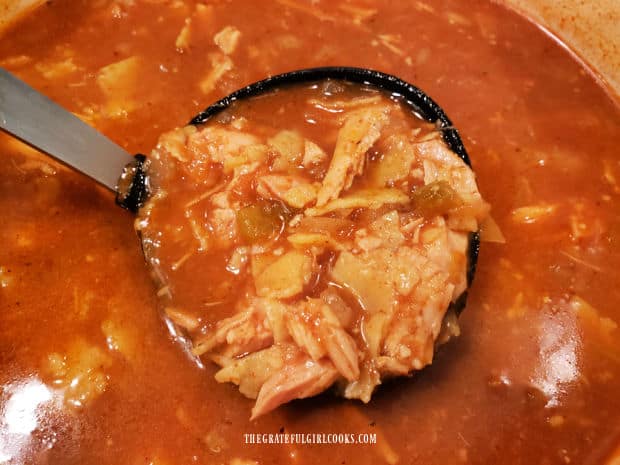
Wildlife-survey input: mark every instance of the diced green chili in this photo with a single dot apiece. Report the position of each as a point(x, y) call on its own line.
point(436, 198)
point(260, 222)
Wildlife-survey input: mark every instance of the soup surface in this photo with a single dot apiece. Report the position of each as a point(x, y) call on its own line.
point(90, 372)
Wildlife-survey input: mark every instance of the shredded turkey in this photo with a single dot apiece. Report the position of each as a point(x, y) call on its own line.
point(319, 260)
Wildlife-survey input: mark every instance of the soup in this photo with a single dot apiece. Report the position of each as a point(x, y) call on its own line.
point(312, 236)
point(90, 373)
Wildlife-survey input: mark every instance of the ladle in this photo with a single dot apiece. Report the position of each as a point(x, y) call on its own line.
point(41, 123)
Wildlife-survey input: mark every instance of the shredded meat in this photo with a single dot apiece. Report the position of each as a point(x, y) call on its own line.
point(359, 132)
point(298, 379)
point(345, 266)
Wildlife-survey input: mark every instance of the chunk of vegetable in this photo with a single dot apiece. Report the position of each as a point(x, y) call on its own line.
point(395, 163)
point(306, 240)
point(436, 198)
point(255, 153)
point(227, 39)
point(491, 232)
point(220, 65)
point(368, 281)
point(285, 277)
point(81, 372)
point(182, 41)
point(336, 227)
point(118, 81)
point(291, 148)
point(533, 213)
point(366, 198)
point(313, 154)
point(262, 221)
point(292, 190)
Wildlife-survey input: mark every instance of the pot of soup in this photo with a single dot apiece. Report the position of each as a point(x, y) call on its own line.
point(299, 287)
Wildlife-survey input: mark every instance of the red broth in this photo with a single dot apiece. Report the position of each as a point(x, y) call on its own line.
point(90, 373)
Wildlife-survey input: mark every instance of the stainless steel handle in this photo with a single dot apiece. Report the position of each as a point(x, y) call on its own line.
point(36, 120)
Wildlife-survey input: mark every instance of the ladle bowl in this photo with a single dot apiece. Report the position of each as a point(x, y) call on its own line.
point(24, 113)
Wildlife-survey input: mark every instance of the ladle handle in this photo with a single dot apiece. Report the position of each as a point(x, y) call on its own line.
point(41, 123)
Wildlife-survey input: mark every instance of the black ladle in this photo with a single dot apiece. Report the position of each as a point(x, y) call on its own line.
point(36, 120)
